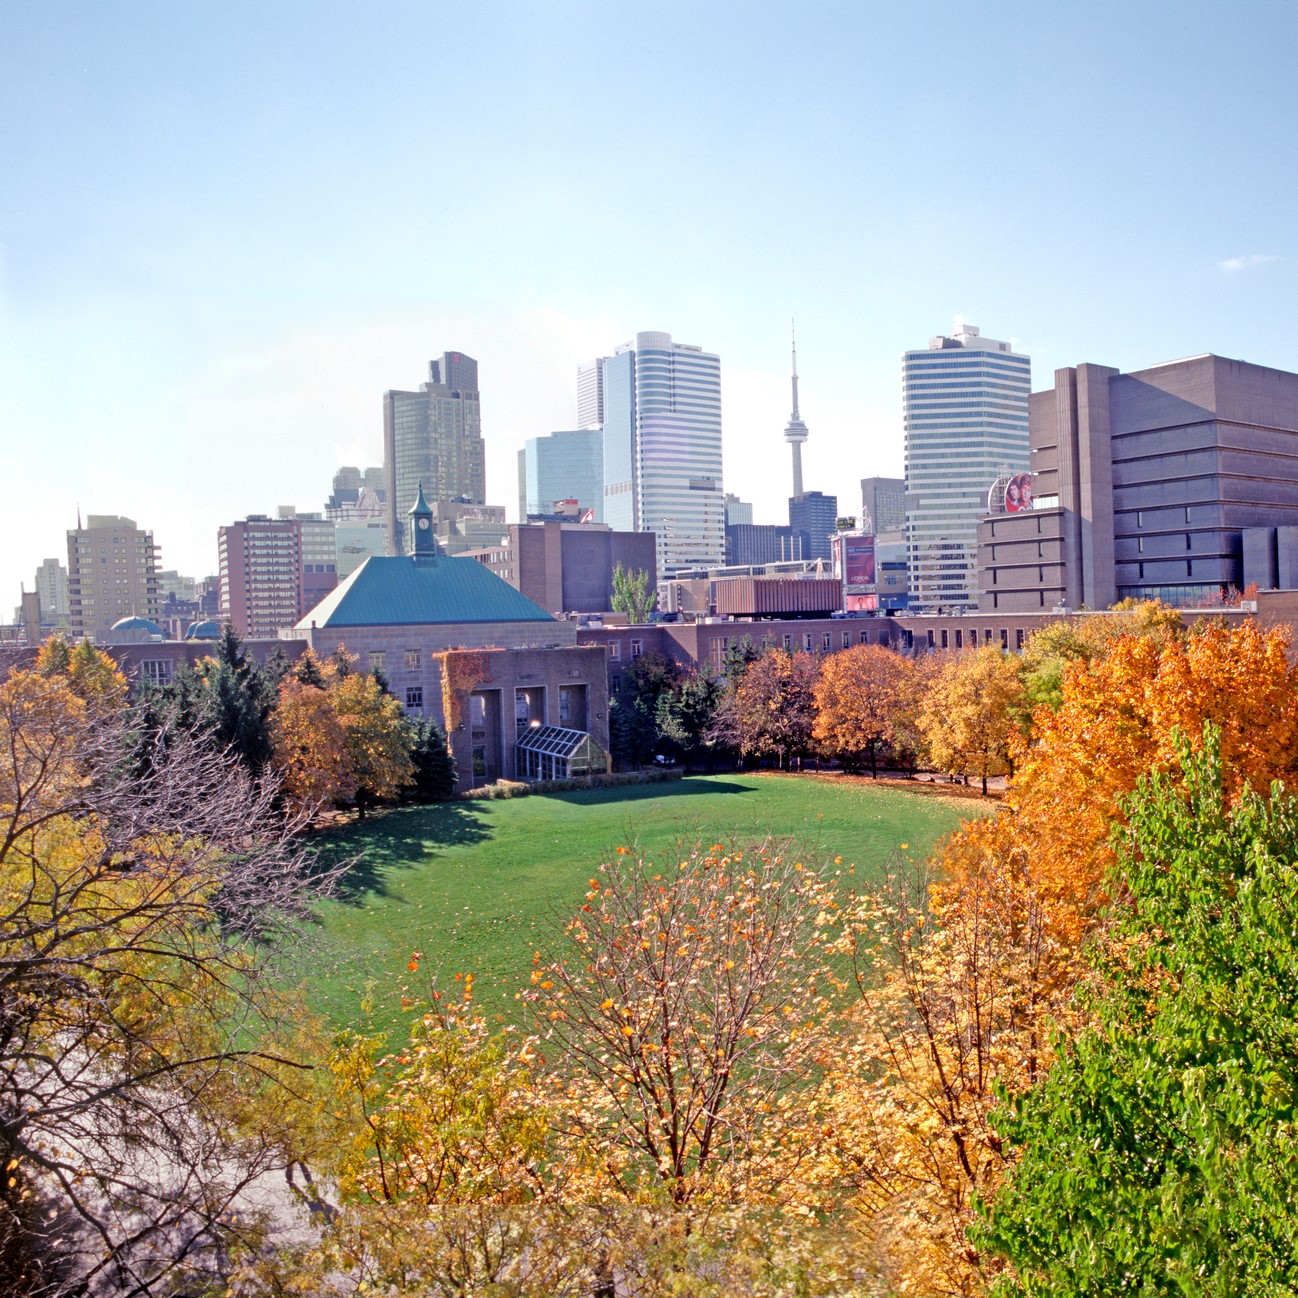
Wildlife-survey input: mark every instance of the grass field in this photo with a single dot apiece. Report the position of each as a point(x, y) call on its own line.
point(474, 885)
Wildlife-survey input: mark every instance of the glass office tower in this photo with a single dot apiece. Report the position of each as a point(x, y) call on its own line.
point(965, 412)
point(662, 449)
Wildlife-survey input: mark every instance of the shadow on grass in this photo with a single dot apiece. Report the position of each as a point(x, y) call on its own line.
point(401, 839)
point(639, 792)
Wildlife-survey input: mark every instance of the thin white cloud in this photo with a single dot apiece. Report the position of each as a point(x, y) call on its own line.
point(1246, 263)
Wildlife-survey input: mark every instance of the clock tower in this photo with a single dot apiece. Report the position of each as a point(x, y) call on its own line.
point(421, 529)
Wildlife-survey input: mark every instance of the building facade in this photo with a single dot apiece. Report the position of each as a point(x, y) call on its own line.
point(662, 449)
point(814, 516)
point(433, 437)
point(1176, 482)
point(883, 505)
point(261, 575)
point(52, 590)
point(590, 394)
point(965, 415)
point(112, 574)
point(562, 466)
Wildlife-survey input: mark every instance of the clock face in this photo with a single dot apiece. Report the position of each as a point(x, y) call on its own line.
point(423, 525)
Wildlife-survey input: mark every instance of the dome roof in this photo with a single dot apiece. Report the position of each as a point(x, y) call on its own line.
point(138, 624)
point(207, 630)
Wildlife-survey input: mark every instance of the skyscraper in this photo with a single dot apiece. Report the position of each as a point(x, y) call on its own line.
point(562, 466)
point(813, 516)
point(590, 394)
point(883, 504)
point(112, 574)
point(965, 411)
point(261, 574)
point(662, 449)
point(433, 437)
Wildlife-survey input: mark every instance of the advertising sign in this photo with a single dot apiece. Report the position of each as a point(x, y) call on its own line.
point(858, 561)
point(1018, 493)
point(860, 603)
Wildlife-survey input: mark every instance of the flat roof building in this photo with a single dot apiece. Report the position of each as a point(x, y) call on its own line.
point(1176, 482)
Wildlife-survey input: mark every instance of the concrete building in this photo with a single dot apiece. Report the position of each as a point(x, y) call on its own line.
point(433, 438)
point(814, 516)
point(349, 487)
point(965, 411)
point(518, 669)
point(562, 466)
point(112, 574)
point(662, 449)
point(568, 567)
point(319, 555)
point(1175, 482)
point(459, 526)
point(883, 505)
point(261, 574)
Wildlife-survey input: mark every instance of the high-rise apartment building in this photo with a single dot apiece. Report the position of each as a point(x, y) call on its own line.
point(433, 437)
point(261, 574)
point(662, 449)
point(112, 574)
point(739, 513)
point(965, 411)
point(883, 505)
point(52, 591)
point(562, 466)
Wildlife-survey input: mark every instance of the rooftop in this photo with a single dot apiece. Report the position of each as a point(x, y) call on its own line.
point(401, 591)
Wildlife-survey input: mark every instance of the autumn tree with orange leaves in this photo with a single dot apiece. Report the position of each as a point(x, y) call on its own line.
point(867, 700)
point(966, 988)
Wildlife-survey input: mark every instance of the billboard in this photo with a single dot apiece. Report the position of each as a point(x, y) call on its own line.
point(860, 603)
point(1018, 493)
point(857, 561)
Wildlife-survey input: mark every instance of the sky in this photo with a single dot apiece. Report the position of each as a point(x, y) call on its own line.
point(226, 230)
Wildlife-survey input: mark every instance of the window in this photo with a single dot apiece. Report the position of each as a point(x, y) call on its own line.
point(617, 682)
point(931, 642)
point(959, 638)
point(847, 639)
point(1187, 513)
point(865, 637)
point(413, 658)
point(1018, 637)
point(615, 650)
point(945, 642)
point(806, 641)
point(824, 642)
point(1005, 638)
point(637, 648)
point(572, 707)
point(788, 643)
point(155, 671)
point(1187, 540)
point(378, 660)
point(414, 698)
point(987, 636)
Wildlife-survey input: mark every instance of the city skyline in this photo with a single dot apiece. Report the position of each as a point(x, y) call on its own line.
point(208, 277)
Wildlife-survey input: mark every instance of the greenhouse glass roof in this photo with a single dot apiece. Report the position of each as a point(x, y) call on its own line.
point(554, 740)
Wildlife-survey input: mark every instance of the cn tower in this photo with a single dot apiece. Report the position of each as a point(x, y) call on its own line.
point(795, 432)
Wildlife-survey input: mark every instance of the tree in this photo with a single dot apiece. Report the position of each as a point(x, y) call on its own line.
point(969, 711)
point(375, 738)
point(434, 770)
point(148, 1072)
point(684, 1006)
point(633, 717)
point(631, 594)
point(1163, 1138)
point(865, 697)
point(685, 712)
point(91, 673)
point(311, 753)
point(239, 702)
point(775, 705)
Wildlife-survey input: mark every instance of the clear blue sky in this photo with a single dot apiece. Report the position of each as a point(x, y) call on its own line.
point(226, 229)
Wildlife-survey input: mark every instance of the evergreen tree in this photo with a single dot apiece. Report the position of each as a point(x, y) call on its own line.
point(434, 779)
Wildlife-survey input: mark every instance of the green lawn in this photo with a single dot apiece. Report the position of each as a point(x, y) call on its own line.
point(472, 886)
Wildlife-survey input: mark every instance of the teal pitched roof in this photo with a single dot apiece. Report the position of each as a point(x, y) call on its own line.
point(387, 591)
